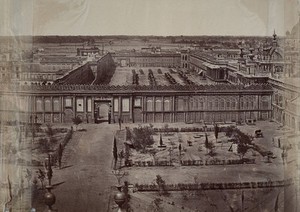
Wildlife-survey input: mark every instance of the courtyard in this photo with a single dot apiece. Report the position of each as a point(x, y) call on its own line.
point(161, 75)
point(86, 181)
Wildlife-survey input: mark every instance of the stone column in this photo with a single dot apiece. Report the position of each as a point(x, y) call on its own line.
point(258, 107)
point(173, 108)
point(74, 105)
point(61, 108)
point(93, 108)
point(33, 101)
point(51, 103)
point(112, 110)
point(163, 108)
point(130, 109)
point(144, 108)
point(153, 108)
point(84, 109)
point(120, 107)
point(43, 109)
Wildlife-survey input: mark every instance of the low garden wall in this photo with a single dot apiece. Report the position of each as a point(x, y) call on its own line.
point(187, 129)
point(214, 186)
point(191, 162)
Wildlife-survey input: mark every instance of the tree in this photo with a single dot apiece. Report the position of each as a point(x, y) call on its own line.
point(115, 151)
point(216, 131)
point(210, 146)
point(160, 140)
point(77, 120)
point(50, 133)
point(242, 149)
point(142, 137)
point(153, 152)
point(229, 131)
point(206, 141)
point(161, 184)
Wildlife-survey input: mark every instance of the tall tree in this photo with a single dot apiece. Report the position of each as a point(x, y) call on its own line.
point(206, 142)
point(216, 131)
point(115, 151)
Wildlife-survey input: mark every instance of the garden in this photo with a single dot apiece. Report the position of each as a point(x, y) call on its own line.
point(189, 146)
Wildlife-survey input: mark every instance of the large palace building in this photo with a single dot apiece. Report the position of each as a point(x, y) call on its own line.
point(200, 86)
point(174, 103)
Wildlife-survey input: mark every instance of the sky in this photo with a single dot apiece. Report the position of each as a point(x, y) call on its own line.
point(148, 17)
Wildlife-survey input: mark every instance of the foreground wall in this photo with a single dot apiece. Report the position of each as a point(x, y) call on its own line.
point(209, 103)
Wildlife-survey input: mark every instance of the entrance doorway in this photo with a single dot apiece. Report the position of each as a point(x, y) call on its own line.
point(101, 111)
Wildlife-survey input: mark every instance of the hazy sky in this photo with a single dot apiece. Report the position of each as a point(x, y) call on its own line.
point(147, 17)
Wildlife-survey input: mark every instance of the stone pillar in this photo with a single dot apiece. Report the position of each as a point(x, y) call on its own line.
point(84, 109)
point(153, 108)
point(61, 109)
point(120, 107)
point(144, 108)
point(112, 110)
point(43, 109)
point(173, 108)
point(163, 108)
point(74, 105)
point(93, 108)
point(33, 105)
point(130, 109)
point(51, 103)
point(258, 107)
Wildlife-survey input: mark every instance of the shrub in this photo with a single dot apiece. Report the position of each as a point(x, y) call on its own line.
point(77, 120)
point(142, 137)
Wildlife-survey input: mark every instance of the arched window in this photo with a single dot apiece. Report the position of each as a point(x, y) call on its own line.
point(56, 104)
point(39, 105)
point(216, 105)
point(149, 105)
point(265, 102)
point(201, 104)
point(47, 105)
point(210, 105)
point(167, 105)
point(158, 106)
point(228, 104)
point(233, 105)
point(222, 104)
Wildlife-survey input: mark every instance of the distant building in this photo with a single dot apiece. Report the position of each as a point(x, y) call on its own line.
point(146, 59)
point(86, 51)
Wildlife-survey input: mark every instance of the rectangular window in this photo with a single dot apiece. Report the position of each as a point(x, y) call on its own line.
point(180, 105)
point(56, 105)
point(47, 104)
point(79, 105)
point(89, 105)
point(39, 105)
point(265, 105)
point(201, 105)
point(210, 105)
point(125, 104)
point(137, 102)
point(116, 105)
point(68, 102)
